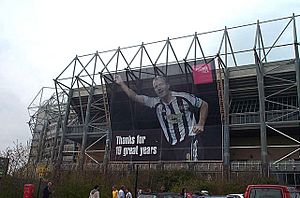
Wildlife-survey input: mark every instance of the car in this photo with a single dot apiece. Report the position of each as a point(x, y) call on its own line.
point(160, 195)
point(269, 190)
point(235, 196)
point(208, 196)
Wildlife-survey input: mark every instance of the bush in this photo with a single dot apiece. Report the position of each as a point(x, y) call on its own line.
point(79, 184)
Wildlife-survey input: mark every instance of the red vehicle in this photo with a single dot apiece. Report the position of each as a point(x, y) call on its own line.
point(270, 191)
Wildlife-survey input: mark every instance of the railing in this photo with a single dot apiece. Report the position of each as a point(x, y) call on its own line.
point(78, 129)
point(285, 166)
point(271, 116)
point(289, 165)
point(243, 118)
point(246, 166)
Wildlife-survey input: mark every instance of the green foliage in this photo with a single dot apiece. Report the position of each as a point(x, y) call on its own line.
point(79, 184)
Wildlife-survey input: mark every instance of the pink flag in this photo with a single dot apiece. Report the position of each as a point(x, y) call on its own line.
point(202, 74)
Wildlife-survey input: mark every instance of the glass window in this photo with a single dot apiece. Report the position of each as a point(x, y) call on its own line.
point(265, 193)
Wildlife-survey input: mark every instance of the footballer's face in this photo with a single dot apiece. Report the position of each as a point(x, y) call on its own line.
point(161, 87)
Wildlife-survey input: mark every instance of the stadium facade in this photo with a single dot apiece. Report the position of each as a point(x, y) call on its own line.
point(249, 75)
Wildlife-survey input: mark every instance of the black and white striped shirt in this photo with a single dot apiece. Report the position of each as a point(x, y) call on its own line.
point(176, 118)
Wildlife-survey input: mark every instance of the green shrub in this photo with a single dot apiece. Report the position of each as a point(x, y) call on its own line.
point(79, 184)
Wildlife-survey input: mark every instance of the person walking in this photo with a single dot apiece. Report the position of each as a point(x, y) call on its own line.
point(47, 190)
point(95, 192)
point(183, 193)
point(128, 193)
point(121, 193)
point(114, 192)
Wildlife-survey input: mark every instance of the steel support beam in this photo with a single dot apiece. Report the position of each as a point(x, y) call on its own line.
point(85, 129)
point(41, 142)
point(297, 62)
point(54, 147)
point(262, 115)
point(226, 130)
point(64, 129)
point(109, 130)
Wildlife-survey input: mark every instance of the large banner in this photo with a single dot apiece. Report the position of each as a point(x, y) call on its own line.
point(166, 118)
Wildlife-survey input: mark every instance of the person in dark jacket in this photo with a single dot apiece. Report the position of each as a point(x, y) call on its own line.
point(47, 190)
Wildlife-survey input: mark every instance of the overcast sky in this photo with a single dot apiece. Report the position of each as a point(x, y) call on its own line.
point(38, 38)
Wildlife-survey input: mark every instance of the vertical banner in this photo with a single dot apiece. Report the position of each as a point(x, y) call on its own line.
point(202, 74)
point(170, 118)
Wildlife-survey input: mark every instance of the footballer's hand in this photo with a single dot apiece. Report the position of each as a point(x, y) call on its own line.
point(118, 79)
point(198, 128)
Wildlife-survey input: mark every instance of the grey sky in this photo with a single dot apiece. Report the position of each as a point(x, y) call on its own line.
point(38, 38)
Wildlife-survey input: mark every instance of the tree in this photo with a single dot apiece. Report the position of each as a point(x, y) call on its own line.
point(18, 158)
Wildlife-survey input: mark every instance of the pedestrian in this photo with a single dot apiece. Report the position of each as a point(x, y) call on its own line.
point(95, 192)
point(183, 193)
point(139, 192)
point(162, 188)
point(47, 190)
point(128, 193)
point(114, 192)
point(121, 193)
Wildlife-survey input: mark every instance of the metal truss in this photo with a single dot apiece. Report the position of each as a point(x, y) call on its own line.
point(267, 95)
point(84, 115)
point(44, 125)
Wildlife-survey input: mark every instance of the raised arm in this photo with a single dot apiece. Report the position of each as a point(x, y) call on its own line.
point(199, 127)
point(130, 93)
